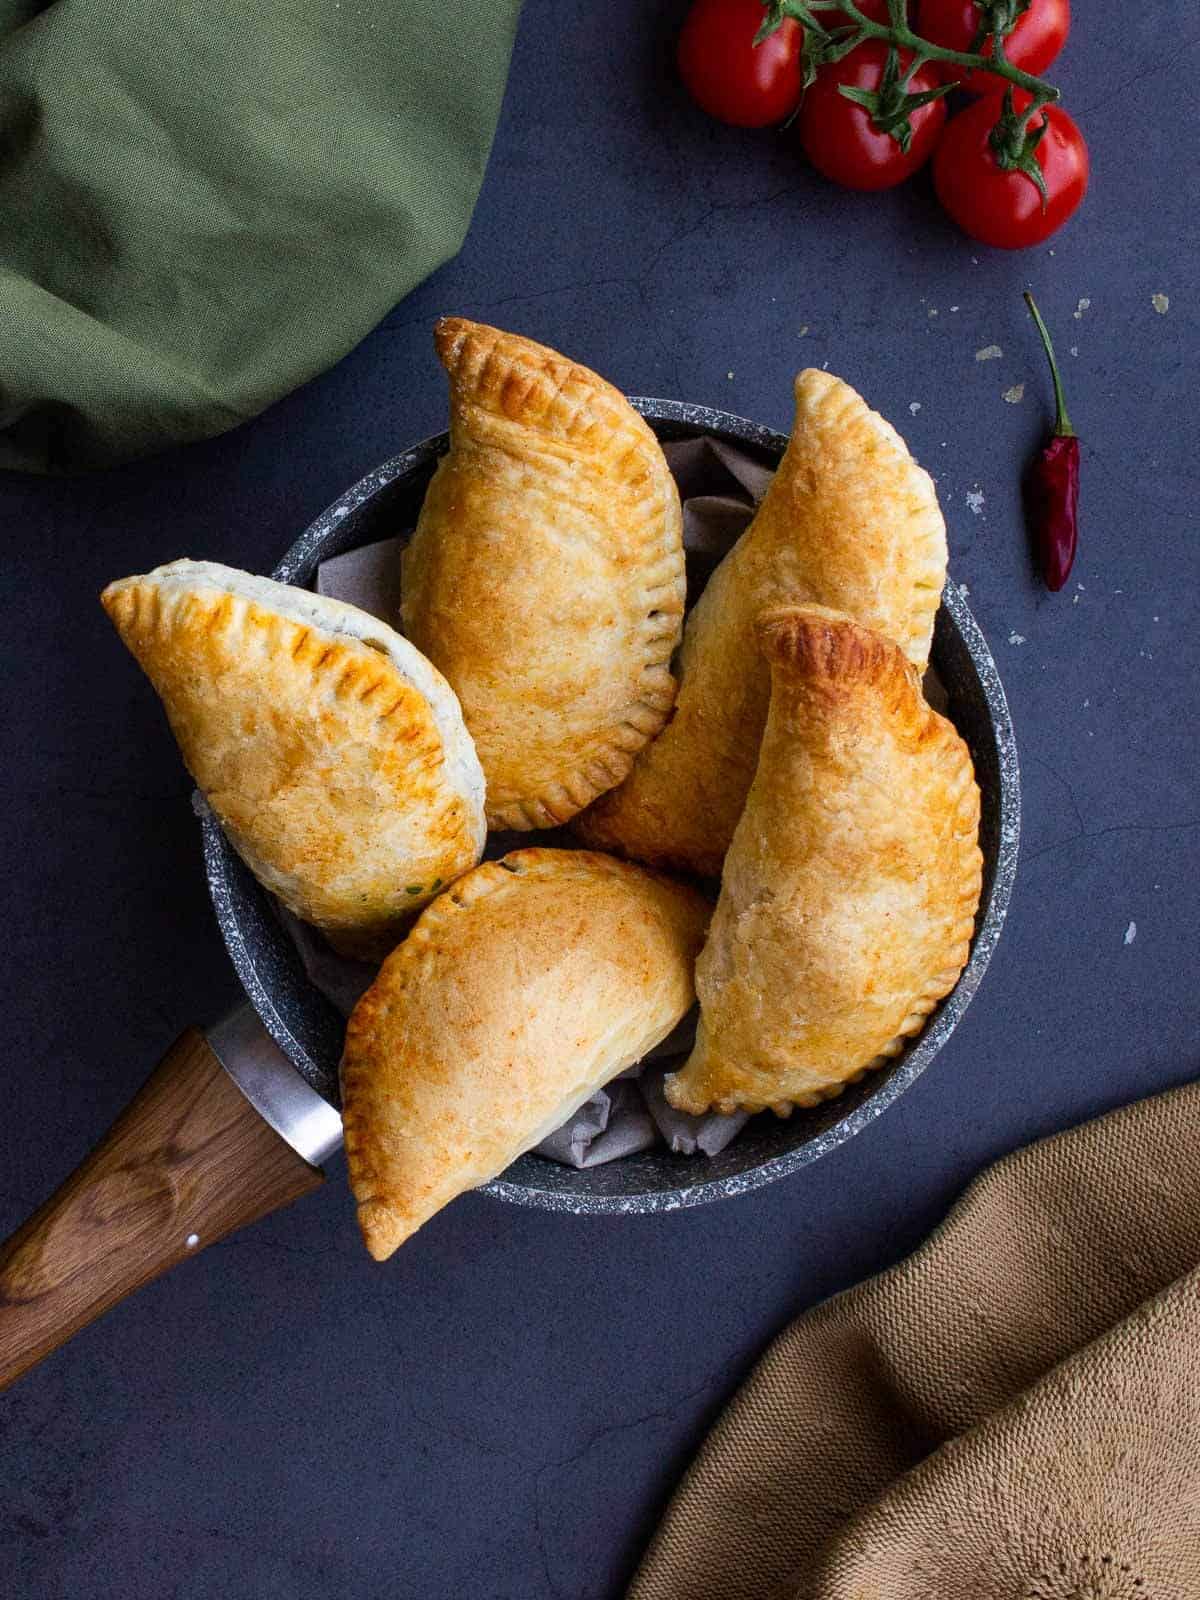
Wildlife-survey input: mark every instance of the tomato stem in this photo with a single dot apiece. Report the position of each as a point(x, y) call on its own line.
point(897, 32)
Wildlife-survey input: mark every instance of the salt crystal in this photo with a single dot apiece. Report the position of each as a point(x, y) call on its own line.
point(1161, 303)
point(1131, 933)
point(990, 352)
point(1016, 638)
point(1015, 395)
point(963, 590)
point(1084, 305)
point(914, 406)
point(975, 500)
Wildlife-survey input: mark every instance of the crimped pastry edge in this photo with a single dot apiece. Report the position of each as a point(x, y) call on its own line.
point(143, 606)
point(375, 1209)
point(187, 576)
point(847, 411)
point(581, 408)
point(837, 655)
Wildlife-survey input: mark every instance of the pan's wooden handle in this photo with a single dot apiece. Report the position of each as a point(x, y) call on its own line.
point(189, 1160)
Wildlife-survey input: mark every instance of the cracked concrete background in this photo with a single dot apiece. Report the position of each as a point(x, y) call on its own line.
point(501, 1410)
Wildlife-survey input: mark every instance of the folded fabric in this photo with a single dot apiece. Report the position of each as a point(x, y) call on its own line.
point(1012, 1412)
point(206, 205)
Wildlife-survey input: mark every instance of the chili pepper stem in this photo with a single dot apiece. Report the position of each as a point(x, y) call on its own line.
point(1062, 422)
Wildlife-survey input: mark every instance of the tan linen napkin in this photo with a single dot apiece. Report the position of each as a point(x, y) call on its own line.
point(1012, 1412)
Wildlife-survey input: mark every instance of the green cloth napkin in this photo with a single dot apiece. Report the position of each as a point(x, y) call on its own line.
point(207, 202)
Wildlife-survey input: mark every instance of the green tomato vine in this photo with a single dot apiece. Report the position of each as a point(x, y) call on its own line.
point(1014, 140)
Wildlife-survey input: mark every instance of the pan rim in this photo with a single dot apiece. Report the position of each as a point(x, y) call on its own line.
point(694, 1189)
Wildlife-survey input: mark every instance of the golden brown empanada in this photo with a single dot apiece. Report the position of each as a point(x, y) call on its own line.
point(334, 755)
point(545, 577)
point(849, 521)
point(522, 990)
point(850, 888)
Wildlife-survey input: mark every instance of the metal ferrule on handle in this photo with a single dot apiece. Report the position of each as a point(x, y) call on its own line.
point(223, 1131)
point(274, 1088)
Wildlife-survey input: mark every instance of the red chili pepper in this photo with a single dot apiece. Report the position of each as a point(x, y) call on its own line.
point(1052, 485)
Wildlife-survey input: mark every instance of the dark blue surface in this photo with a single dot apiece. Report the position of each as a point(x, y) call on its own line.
point(501, 1410)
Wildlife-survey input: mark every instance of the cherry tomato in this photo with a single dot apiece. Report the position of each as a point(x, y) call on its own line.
point(1004, 208)
point(731, 77)
point(839, 137)
point(1035, 41)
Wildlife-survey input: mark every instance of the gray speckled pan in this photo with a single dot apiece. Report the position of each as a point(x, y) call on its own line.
point(309, 1031)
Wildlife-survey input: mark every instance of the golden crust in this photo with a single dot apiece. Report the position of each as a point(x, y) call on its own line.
point(850, 521)
point(545, 577)
point(851, 886)
point(327, 767)
point(520, 991)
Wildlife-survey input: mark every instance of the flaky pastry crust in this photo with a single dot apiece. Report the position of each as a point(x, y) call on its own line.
point(545, 577)
point(850, 889)
point(518, 993)
point(849, 521)
point(333, 754)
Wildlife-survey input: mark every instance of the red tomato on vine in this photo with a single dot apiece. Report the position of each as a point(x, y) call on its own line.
point(841, 138)
point(1004, 208)
point(1035, 41)
point(728, 75)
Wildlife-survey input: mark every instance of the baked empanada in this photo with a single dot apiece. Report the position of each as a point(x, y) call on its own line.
point(523, 989)
point(850, 888)
point(849, 521)
point(334, 755)
point(545, 577)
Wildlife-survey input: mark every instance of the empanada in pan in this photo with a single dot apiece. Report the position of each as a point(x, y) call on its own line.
point(334, 755)
point(850, 889)
point(521, 991)
point(849, 521)
point(545, 577)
